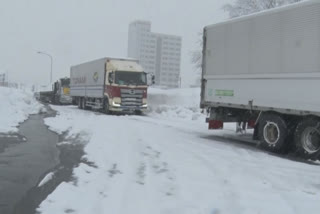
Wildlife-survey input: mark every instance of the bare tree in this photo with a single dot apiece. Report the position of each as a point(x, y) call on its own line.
point(196, 56)
point(245, 7)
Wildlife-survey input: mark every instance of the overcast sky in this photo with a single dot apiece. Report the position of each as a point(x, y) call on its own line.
point(75, 31)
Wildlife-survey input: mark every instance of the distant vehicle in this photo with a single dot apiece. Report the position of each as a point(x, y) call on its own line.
point(60, 94)
point(263, 70)
point(110, 85)
point(37, 95)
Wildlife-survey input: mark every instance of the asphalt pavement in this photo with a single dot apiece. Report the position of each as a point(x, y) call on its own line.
point(25, 157)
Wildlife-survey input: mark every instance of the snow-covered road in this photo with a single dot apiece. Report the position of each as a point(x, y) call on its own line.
point(165, 164)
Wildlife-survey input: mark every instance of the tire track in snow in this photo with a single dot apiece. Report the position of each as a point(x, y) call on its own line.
point(230, 189)
point(208, 177)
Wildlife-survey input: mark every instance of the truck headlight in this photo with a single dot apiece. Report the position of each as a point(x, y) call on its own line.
point(116, 104)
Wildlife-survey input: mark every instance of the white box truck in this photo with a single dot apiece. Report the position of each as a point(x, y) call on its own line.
point(264, 70)
point(109, 84)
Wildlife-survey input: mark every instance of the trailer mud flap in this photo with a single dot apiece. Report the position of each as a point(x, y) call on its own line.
point(215, 124)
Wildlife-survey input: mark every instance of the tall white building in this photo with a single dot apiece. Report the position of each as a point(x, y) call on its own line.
point(159, 54)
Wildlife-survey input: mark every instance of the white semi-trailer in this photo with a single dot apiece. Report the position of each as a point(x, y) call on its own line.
point(264, 70)
point(110, 85)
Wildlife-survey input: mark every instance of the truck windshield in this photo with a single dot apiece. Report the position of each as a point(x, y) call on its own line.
point(130, 78)
point(65, 82)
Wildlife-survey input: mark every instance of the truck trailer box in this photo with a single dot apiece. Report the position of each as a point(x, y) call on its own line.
point(269, 60)
point(87, 79)
point(263, 72)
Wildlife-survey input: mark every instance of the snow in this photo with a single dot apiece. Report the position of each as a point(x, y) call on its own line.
point(46, 179)
point(16, 106)
point(125, 65)
point(167, 162)
point(263, 11)
point(175, 103)
point(64, 143)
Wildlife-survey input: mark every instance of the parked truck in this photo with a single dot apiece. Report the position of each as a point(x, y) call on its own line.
point(110, 85)
point(60, 93)
point(263, 70)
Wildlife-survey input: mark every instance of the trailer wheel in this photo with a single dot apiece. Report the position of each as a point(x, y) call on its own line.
point(84, 106)
point(56, 100)
point(79, 102)
point(74, 101)
point(273, 133)
point(307, 139)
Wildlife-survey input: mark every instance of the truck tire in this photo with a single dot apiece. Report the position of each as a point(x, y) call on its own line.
point(106, 106)
point(273, 133)
point(84, 106)
point(307, 139)
point(57, 100)
point(80, 103)
point(74, 101)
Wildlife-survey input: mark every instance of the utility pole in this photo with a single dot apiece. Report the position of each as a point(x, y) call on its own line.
point(51, 60)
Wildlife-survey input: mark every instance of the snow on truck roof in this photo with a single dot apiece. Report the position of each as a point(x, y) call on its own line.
point(124, 65)
point(266, 12)
point(110, 58)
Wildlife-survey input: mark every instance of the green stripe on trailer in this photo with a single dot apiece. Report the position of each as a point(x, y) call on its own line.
point(225, 93)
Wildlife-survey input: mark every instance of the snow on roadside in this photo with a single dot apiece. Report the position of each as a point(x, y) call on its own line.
point(143, 166)
point(175, 103)
point(62, 123)
point(182, 104)
point(16, 106)
point(166, 162)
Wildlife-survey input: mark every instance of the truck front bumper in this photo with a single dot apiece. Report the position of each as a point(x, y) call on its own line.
point(65, 100)
point(120, 108)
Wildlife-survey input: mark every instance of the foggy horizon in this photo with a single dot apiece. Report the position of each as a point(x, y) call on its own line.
point(74, 32)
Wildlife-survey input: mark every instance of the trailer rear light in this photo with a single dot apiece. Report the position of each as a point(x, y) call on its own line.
point(215, 124)
point(251, 124)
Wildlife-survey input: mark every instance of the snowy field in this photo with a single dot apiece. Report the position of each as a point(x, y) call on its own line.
point(16, 106)
point(169, 163)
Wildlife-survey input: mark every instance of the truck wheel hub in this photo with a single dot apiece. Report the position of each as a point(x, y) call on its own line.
point(271, 133)
point(311, 140)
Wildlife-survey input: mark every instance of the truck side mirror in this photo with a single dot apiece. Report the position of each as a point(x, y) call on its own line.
point(110, 79)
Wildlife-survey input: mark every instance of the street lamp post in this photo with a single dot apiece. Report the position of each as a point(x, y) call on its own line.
point(51, 58)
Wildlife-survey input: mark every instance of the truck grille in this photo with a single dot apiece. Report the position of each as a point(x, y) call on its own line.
point(131, 97)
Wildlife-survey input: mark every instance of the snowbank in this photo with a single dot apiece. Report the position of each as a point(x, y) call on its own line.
point(16, 105)
point(146, 165)
point(175, 103)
